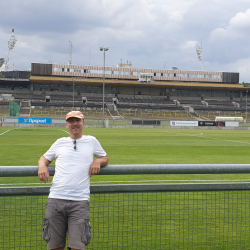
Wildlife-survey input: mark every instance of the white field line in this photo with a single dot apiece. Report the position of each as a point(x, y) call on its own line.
point(207, 137)
point(5, 132)
point(238, 141)
point(139, 181)
point(191, 135)
point(64, 131)
point(8, 131)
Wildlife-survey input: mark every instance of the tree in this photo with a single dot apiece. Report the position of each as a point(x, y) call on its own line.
point(1, 75)
point(246, 84)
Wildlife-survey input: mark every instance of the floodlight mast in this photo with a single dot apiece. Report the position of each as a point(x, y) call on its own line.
point(103, 85)
point(11, 45)
point(70, 52)
point(1, 62)
point(199, 54)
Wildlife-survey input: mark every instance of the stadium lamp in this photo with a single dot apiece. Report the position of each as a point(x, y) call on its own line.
point(11, 45)
point(199, 54)
point(104, 49)
point(103, 85)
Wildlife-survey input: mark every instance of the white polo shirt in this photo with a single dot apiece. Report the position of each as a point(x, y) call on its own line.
point(71, 180)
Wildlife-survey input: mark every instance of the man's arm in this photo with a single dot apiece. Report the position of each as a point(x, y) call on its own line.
point(43, 172)
point(97, 164)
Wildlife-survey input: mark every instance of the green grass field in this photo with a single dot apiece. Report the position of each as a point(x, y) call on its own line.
point(24, 146)
point(175, 220)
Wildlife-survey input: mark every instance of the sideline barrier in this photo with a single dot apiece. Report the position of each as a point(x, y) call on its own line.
point(18, 171)
point(162, 216)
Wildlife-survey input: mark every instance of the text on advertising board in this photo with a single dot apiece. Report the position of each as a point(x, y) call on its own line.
point(35, 120)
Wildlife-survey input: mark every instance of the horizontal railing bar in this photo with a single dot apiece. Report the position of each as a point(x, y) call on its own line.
point(17, 191)
point(14, 171)
point(175, 169)
point(132, 188)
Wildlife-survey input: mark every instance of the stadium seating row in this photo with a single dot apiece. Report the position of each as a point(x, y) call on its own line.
point(126, 107)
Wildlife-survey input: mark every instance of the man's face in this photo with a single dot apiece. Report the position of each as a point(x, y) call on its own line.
point(75, 126)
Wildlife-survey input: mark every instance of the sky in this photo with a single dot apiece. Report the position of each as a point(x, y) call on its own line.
point(156, 34)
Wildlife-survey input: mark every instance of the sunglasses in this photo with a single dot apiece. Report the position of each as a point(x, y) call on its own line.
point(74, 144)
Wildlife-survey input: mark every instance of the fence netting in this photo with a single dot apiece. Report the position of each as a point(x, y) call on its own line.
point(14, 109)
point(152, 220)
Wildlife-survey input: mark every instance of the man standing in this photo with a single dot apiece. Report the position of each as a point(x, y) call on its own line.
point(67, 208)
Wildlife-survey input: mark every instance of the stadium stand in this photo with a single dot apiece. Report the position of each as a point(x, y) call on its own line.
point(61, 112)
point(222, 105)
point(24, 112)
point(123, 107)
point(4, 108)
point(209, 108)
point(147, 104)
point(243, 105)
point(22, 96)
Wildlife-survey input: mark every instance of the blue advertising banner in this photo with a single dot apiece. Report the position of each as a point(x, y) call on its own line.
point(35, 120)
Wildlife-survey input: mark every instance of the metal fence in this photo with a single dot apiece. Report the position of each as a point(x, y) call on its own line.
point(162, 216)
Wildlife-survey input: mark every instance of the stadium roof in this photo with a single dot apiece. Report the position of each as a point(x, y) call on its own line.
point(96, 81)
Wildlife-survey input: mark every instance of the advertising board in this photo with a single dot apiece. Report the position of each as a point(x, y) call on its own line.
point(232, 124)
point(183, 123)
point(35, 120)
point(199, 123)
point(211, 123)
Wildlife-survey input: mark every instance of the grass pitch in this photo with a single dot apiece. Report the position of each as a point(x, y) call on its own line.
point(24, 146)
point(163, 221)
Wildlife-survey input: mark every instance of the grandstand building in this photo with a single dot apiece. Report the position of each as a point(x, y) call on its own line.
point(128, 81)
point(126, 88)
point(125, 80)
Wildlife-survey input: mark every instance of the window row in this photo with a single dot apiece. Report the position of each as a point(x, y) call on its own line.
point(187, 75)
point(127, 73)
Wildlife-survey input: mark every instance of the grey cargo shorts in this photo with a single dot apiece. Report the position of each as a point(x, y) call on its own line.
point(64, 216)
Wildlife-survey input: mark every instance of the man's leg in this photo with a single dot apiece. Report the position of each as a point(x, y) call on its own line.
point(78, 225)
point(55, 224)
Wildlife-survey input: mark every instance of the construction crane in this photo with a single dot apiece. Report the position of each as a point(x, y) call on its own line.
point(11, 45)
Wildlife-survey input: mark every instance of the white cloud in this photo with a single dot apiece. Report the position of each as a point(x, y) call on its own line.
point(242, 66)
point(237, 28)
point(189, 45)
point(22, 45)
point(241, 20)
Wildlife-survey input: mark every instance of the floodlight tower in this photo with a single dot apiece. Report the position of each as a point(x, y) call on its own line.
point(103, 85)
point(11, 45)
point(199, 54)
point(1, 62)
point(70, 52)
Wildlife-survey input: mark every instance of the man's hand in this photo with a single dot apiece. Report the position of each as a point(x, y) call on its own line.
point(97, 164)
point(43, 172)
